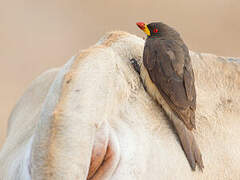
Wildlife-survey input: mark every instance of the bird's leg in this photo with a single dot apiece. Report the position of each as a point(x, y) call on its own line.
point(135, 65)
point(137, 68)
point(189, 144)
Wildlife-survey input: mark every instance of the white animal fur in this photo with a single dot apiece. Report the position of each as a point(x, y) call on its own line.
point(62, 109)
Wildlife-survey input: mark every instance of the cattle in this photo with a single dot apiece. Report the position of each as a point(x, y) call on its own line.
point(92, 119)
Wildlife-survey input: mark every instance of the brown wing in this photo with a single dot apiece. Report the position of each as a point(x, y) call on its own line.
point(170, 69)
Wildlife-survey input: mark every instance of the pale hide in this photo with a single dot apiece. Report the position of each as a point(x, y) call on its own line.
point(95, 110)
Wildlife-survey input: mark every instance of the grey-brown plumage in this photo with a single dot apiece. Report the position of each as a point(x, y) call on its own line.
point(167, 61)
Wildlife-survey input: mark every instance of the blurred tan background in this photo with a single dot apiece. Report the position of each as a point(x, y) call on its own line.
point(37, 35)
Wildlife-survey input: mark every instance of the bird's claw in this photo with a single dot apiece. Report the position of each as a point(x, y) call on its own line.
point(135, 65)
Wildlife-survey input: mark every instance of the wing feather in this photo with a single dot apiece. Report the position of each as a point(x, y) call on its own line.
point(169, 67)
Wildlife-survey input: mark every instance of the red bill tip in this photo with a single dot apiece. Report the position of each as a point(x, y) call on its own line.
point(141, 25)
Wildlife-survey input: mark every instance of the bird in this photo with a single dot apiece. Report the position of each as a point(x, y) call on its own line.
point(167, 74)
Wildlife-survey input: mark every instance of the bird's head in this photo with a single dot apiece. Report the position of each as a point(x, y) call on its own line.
point(157, 29)
point(152, 29)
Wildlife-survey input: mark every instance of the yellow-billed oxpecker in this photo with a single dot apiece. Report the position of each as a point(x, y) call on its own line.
point(168, 77)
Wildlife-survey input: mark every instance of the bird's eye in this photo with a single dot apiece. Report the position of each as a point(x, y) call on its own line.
point(155, 30)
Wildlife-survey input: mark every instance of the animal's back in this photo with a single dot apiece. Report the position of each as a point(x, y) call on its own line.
point(148, 147)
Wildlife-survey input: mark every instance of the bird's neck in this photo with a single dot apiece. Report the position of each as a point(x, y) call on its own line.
point(154, 36)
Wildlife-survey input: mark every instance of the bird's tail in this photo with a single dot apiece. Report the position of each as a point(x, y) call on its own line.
point(189, 145)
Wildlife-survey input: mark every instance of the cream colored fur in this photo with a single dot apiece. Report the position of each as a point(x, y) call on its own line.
point(53, 126)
